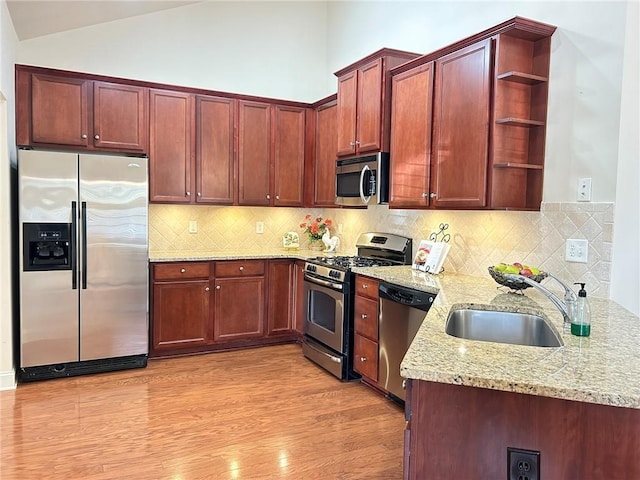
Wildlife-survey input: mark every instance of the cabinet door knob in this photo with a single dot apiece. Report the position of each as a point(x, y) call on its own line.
point(277, 197)
point(182, 270)
point(268, 197)
point(206, 289)
point(199, 194)
point(357, 142)
point(96, 136)
point(363, 316)
point(188, 194)
point(217, 287)
point(353, 144)
point(364, 285)
point(241, 268)
point(433, 195)
point(84, 135)
point(425, 194)
point(363, 359)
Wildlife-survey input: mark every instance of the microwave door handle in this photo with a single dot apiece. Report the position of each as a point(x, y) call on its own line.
point(365, 169)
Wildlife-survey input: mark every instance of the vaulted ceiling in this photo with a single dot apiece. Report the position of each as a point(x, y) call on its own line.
point(35, 18)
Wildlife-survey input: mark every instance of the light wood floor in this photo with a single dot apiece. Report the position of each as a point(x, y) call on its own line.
point(251, 414)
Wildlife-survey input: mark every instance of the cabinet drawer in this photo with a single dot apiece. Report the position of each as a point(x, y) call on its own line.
point(365, 359)
point(239, 268)
point(175, 271)
point(367, 287)
point(366, 317)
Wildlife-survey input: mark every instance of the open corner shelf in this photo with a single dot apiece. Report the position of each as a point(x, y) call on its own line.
point(519, 122)
point(524, 78)
point(529, 166)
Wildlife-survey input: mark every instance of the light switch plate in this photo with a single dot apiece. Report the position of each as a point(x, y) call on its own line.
point(259, 227)
point(584, 189)
point(193, 226)
point(577, 251)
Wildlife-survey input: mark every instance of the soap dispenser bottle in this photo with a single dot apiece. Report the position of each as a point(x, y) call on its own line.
point(581, 322)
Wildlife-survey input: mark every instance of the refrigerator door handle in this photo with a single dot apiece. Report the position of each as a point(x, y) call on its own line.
point(73, 240)
point(83, 244)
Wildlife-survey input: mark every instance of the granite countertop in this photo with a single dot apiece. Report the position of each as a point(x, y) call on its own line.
point(603, 368)
point(183, 256)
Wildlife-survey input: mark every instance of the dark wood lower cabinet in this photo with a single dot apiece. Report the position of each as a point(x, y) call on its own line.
point(281, 297)
point(206, 306)
point(456, 431)
point(181, 312)
point(239, 308)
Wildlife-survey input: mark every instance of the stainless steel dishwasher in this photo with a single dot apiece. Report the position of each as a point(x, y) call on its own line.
point(402, 311)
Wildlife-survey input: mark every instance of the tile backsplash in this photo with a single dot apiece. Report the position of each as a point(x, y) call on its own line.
point(479, 238)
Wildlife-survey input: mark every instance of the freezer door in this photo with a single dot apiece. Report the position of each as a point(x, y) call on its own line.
point(49, 329)
point(114, 253)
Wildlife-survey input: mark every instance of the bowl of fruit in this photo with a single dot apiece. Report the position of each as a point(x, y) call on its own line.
point(500, 271)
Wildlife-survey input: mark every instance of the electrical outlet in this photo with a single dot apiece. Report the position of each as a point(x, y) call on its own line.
point(523, 464)
point(584, 189)
point(259, 227)
point(193, 226)
point(577, 250)
point(339, 229)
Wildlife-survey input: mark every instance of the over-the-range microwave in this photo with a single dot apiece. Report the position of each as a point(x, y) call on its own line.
point(362, 180)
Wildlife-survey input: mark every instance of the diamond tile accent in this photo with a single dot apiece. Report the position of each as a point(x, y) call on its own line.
point(479, 238)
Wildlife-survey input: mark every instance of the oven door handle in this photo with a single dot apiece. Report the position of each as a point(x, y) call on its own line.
point(365, 169)
point(324, 283)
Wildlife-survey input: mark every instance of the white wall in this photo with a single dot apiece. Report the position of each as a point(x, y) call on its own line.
point(272, 49)
point(8, 42)
point(625, 273)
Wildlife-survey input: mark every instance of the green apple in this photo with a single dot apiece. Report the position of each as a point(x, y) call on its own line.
point(500, 267)
point(511, 269)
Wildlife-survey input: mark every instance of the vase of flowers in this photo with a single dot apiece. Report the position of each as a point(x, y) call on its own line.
point(315, 228)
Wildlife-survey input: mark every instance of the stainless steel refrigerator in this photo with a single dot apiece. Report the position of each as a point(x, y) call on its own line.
point(83, 264)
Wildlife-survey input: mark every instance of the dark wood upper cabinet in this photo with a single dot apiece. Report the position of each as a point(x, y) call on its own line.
point(271, 154)
point(171, 163)
point(215, 150)
point(254, 153)
point(60, 110)
point(326, 129)
point(191, 154)
point(364, 102)
point(288, 155)
point(481, 143)
point(461, 127)
point(411, 111)
point(120, 116)
point(347, 108)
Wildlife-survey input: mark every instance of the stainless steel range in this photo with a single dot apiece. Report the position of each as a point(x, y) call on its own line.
point(329, 294)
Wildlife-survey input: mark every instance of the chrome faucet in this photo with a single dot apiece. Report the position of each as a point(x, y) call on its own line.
point(567, 308)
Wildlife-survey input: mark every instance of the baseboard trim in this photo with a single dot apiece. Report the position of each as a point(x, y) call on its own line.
point(8, 380)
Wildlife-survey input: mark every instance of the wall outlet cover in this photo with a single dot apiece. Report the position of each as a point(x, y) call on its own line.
point(577, 250)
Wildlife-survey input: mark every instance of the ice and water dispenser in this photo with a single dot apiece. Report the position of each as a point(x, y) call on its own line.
point(47, 246)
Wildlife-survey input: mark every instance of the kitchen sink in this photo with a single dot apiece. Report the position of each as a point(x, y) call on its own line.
point(501, 327)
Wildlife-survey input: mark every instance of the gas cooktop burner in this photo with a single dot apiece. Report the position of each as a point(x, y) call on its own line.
point(349, 262)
